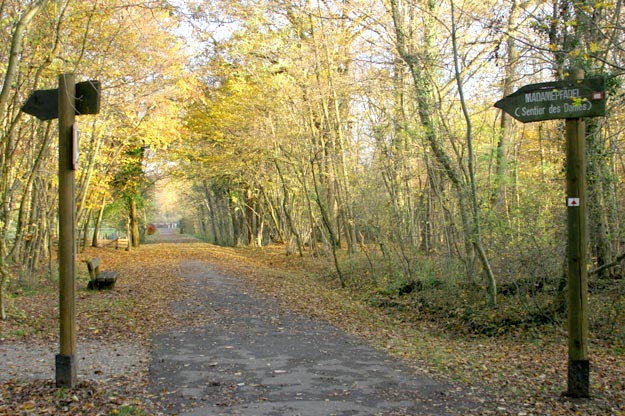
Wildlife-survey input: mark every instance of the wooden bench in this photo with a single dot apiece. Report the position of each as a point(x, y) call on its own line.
point(98, 279)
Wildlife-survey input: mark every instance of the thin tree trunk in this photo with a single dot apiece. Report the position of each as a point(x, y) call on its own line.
point(250, 205)
point(237, 221)
point(85, 234)
point(17, 40)
point(511, 65)
point(417, 65)
point(287, 210)
point(213, 214)
point(87, 173)
point(333, 243)
point(4, 277)
point(477, 234)
point(598, 178)
point(98, 222)
point(133, 224)
point(128, 234)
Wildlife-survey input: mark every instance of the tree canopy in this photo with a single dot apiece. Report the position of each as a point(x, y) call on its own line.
point(361, 129)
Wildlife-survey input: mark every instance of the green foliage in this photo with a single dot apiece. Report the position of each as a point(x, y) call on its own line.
point(19, 288)
point(116, 214)
point(62, 393)
point(130, 180)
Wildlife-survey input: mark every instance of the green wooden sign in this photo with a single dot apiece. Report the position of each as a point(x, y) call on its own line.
point(556, 100)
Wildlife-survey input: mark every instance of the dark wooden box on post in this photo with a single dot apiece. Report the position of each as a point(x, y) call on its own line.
point(99, 279)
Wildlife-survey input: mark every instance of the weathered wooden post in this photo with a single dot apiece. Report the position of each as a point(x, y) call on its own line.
point(66, 359)
point(572, 100)
point(69, 100)
point(579, 367)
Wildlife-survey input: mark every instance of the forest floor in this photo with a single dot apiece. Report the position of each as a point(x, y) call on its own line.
point(521, 373)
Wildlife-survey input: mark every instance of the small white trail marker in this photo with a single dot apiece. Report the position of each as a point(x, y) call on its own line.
point(572, 202)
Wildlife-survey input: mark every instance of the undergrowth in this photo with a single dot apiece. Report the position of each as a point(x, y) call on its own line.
point(438, 290)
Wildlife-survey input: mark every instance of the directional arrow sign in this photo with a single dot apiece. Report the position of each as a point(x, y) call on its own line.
point(555, 100)
point(44, 104)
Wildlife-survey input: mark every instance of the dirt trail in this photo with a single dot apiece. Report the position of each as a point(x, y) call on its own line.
point(251, 357)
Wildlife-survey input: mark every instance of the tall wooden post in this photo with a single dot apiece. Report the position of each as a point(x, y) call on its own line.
point(64, 104)
point(579, 365)
point(66, 368)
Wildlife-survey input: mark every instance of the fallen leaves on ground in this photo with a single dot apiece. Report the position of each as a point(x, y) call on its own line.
point(135, 309)
point(89, 398)
point(520, 374)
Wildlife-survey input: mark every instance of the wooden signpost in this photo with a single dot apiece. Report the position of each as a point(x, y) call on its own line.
point(571, 100)
point(64, 103)
point(44, 104)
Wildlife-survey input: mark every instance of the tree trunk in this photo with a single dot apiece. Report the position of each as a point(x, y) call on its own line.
point(417, 64)
point(476, 235)
point(238, 222)
point(134, 224)
point(214, 217)
point(511, 65)
point(98, 222)
point(250, 216)
point(17, 40)
point(598, 176)
point(4, 277)
point(128, 234)
point(87, 173)
point(286, 208)
point(334, 245)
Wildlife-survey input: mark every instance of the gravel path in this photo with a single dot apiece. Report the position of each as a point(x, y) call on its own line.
point(95, 361)
point(253, 358)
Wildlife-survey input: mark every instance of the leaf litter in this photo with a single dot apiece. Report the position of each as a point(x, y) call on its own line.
point(519, 374)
